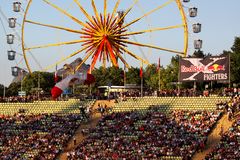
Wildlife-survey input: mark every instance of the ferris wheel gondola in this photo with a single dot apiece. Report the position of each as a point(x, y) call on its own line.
point(17, 6)
point(196, 27)
point(13, 39)
point(193, 12)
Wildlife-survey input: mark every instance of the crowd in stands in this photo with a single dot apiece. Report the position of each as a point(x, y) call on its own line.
point(231, 107)
point(230, 91)
point(163, 93)
point(229, 146)
point(178, 93)
point(32, 98)
point(40, 136)
point(14, 99)
point(132, 93)
point(150, 135)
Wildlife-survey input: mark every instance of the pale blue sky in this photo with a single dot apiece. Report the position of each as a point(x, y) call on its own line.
point(219, 19)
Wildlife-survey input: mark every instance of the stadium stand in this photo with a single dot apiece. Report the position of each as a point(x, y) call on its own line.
point(148, 127)
point(41, 136)
point(169, 103)
point(38, 130)
point(148, 134)
point(39, 107)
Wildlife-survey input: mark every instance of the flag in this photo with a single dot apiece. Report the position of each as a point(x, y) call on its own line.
point(59, 87)
point(141, 72)
point(62, 85)
point(90, 79)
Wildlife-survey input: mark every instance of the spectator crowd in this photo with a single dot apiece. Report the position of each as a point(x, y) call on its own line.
point(40, 136)
point(147, 135)
point(229, 146)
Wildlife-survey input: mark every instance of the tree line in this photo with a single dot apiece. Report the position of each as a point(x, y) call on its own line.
point(118, 76)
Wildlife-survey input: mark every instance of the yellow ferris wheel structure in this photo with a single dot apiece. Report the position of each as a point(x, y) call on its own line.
point(101, 31)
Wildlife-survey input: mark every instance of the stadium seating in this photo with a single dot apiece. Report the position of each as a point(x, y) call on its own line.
point(169, 103)
point(38, 107)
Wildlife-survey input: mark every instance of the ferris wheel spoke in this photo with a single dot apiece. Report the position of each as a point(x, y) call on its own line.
point(96, 55)
point(145, 15)
point(151, 46)
point(132, 54)
point(111, 54)
point(104, 55)
point(105, 11)
point(117, 51)
point(115, 8)
point(124, 15)
point(95, 11)
point(86, 14)
point(84, 60)
point(150, 30)
point(65, 58)
point(66, 13)
point(20, 61)
point(113, 17)
point(56, 27)
point(36, 61)
point(56, 44)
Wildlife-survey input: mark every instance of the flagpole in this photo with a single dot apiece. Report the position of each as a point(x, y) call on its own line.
point(141, 79)
point(179, 72)
point(21, 81)
point(159, 75)
point(141, 87)
point(124, 78)
point(4, 91)
point(90, 90)
point(229, 61)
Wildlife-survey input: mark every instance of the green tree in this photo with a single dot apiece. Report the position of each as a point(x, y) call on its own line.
point(151, 77)
point(114, 76)
point(235, 59)
point(45, 81)
point(106, 76)
point(133, 76)
point(169, 75)
point(13, 89)
point(198, 54)
point(1, 90)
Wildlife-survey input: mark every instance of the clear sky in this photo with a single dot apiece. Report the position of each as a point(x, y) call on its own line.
point(219, 21)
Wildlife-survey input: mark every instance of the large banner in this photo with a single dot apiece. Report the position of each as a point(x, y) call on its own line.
point(214, 68)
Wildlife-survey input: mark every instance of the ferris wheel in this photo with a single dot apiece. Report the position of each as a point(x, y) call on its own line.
point(103, 32)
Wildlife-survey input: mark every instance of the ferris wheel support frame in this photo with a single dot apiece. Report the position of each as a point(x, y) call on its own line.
point(184, 20)
point(23, 45)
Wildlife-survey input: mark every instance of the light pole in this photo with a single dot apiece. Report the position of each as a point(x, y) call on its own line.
point(38, 85)
point(21, 71)
point(4, 91)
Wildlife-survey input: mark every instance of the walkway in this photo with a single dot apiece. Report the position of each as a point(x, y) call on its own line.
point(214, 137)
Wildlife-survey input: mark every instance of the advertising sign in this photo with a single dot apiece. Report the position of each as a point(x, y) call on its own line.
point(212, 68)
